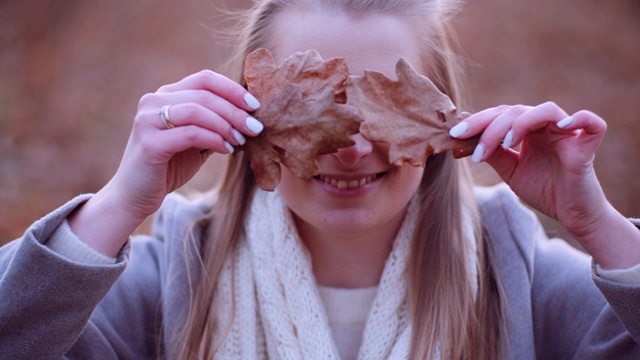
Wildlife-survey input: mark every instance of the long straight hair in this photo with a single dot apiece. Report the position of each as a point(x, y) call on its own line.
point(446, 314)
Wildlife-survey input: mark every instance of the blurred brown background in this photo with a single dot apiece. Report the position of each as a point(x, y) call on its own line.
point(71, 74)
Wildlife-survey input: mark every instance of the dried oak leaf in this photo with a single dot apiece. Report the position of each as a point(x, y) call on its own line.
point(410, 114)
point(299, 111)
point(305, 69)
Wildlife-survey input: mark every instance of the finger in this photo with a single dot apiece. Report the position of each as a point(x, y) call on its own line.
point(591, 128)
point(237, 117)
point(195, 114)
point(536, 119)
point(183, 114)
point(167, 143)
point(476, 123)
point(524, 120)
point(498, 132)
point(585, 120)
point(217, 84)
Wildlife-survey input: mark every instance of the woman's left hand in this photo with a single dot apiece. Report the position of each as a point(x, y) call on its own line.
point(553, 171)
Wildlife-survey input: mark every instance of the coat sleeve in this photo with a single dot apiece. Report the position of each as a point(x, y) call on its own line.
point(56, 308)
point(624, 298)
point(127, 322)
point(572, 317)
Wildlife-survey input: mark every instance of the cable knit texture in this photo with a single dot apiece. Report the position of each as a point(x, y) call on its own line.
point(278, 310)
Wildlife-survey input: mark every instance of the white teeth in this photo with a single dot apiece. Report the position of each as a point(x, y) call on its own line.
point(347, 184)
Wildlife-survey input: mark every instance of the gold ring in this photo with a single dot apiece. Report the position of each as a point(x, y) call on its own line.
point(166, 119)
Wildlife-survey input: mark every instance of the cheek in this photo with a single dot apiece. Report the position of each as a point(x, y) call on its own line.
point(292, 188)
point(409, 182)
point(403, 185)
point(410, 177)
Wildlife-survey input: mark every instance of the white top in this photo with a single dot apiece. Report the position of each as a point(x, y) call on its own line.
point(347, 311)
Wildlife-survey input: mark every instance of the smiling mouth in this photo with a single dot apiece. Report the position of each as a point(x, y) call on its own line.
point(348, 184)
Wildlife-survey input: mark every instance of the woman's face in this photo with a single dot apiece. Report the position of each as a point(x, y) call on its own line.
point(358, 192)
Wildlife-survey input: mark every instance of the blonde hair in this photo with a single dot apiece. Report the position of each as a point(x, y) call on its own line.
point(444, 311)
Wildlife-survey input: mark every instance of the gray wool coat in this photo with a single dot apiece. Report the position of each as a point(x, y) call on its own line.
point(52, 308)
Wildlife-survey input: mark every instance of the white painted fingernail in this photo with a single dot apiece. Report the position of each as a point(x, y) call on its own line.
point(229, 148)
point(254, 125)
point(459, 130)
point(564, 122)
point(478, 153)
point(239, 137)
point(251, 101)
point(508, 139)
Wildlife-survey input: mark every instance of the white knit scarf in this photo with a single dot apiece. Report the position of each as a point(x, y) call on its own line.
point(278, 312)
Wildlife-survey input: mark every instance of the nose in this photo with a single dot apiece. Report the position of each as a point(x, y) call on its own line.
point(350, 156)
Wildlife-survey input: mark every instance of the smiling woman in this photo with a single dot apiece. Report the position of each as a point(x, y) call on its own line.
point(330, 216)
point(368, 259)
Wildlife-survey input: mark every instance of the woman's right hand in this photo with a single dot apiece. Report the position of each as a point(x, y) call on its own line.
point(210, 113)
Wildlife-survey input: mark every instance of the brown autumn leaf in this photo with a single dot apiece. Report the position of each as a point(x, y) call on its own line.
point(299, 111)
point(305, 69)
point(410, 114)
